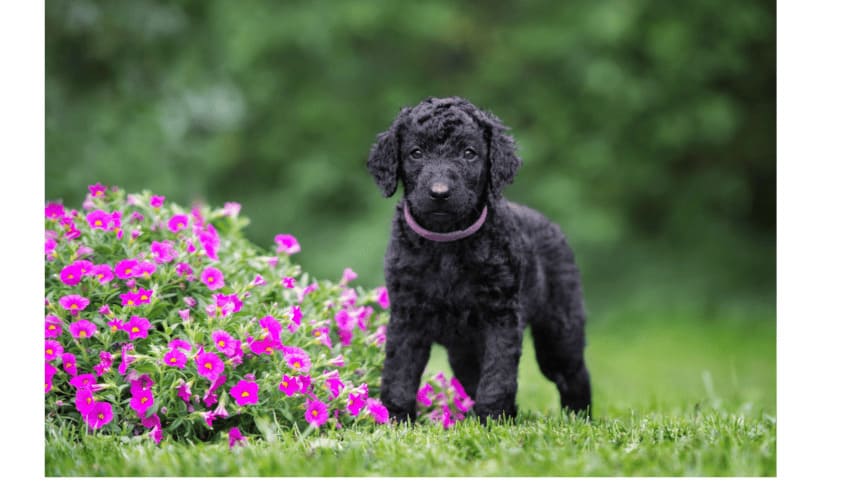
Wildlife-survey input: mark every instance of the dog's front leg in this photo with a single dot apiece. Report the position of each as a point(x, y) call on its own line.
point(497, 388)
point(406, 352)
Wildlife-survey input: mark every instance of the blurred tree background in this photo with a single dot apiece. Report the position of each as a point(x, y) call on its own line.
point(647, 128)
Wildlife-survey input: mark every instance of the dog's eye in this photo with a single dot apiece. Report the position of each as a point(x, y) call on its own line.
point(416, 153)
point(469, 154)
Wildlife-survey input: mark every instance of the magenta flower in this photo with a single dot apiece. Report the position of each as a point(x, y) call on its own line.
point(377, 410)
point(288, 282)
point(231, 209)
point(236, 437)
point(71, 274)
point(53, 326)
point(126, 358)
point(348, 297)
point(54, 211)
point(313, 287)
point(141, 402)
point(425, 395)
point(209, 366)
point(183, 391)
point(288, 244)
point(84, 381)
point(137, 298)
point(378, 337)
point(125, 268)
point(103, 273)
point(348, 275)
point(82, 329)
point(99, 220)
point(334, 383)
point(245, 392)
point(266, 345)
point(296, 319)
point(156, 201)
point(184, 269)
point(224, 342)
point(97, 190)
point(316, 413)
point(321, 334)
point(70, 364)
point(258, 281)
point(144, 269)
point(225, 305)
point(272, 326)
point(185, 314)
point(290, 385)
point(105, 362)
point(175, 358)
point(357, 401)
point(219, 412)
point(115, 324)
point(177, 223)
point(162, 252)
point(137, 327)
point(50, 371)
point(210, 241)
point(100, 415)
point(382, 297)
point(179, 344)
point(210, 397)
point(50, 245)
point(53, 350)
point(84, 400)
point(297, 359)
point(212, 277)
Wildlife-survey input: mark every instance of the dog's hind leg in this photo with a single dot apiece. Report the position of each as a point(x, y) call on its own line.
point(559, 343)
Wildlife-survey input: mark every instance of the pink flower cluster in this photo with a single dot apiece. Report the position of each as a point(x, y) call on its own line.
point(443, 401)
point(196, 330)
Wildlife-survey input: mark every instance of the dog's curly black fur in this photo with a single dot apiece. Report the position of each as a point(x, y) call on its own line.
point(474, 296)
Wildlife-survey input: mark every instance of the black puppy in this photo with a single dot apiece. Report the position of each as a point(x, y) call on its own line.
point(467, 269)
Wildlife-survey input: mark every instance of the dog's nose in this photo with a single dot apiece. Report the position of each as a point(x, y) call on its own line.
point(439, 191)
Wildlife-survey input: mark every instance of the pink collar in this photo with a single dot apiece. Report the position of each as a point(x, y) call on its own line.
point(443, 236)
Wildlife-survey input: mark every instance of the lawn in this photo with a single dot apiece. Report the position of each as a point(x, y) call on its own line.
point(671, 397)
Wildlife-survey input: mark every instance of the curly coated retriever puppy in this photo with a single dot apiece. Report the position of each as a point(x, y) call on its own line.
point(468, 269)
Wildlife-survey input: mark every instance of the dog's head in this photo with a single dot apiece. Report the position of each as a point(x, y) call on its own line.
point(452, 158)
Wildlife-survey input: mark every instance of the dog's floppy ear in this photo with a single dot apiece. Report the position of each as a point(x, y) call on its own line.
point(384, 158)
point(504, 161)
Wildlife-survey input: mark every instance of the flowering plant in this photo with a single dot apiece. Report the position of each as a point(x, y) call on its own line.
point(167, 322)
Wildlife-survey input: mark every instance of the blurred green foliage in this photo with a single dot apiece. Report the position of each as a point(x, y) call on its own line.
point(647, 128)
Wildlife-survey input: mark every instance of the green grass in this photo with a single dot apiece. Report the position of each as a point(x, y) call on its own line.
point(671, 398)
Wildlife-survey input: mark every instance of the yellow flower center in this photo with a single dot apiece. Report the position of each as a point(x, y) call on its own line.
point(314, 412)
point(73, 306)
point(89, 400)
point(70, 276)
point(144, 298)
point(135, 330)
point(98, 223)
point(99, 193)
point(210, 279)
point(208, 366)
point(128, 271)
point(173, 359)
point(144, 399)
point(82, 333)
point(49, 351)
point(221, 344)
point(101, 276)
point(101, 416)
point(180, 225)
point(52, 327)
point(297, 364)
point(245, 394)
point(129, 302)
point(316, 333)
